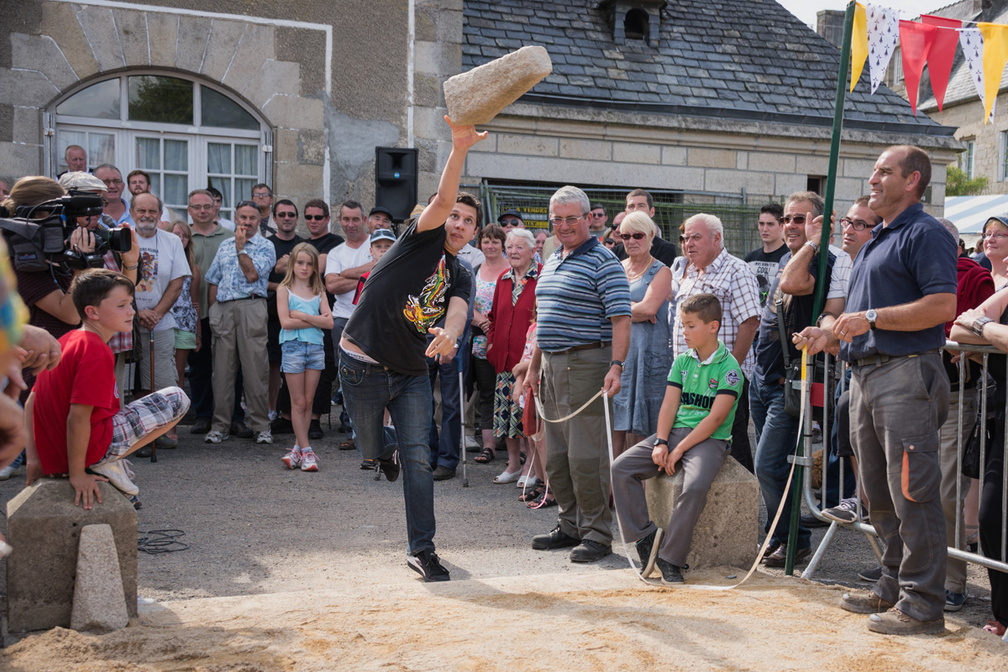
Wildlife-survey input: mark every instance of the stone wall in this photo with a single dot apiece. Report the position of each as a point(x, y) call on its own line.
point(987, 155)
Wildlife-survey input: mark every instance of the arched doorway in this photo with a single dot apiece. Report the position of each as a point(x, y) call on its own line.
point(187, 134)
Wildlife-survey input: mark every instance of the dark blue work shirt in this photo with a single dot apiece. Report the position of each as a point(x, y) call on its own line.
point(912, 257)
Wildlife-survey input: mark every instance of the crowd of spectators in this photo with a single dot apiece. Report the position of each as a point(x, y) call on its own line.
point(268, 324)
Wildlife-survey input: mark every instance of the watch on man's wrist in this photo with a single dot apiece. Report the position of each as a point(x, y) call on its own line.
point(979, 324)
point(660, 442)
point(814, 245)
point(618, 363)
point(871, 316)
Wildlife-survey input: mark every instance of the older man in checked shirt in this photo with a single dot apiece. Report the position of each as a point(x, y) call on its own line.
point(713, 271)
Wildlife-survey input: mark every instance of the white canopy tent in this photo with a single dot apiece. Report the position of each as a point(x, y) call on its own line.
point(970, 213)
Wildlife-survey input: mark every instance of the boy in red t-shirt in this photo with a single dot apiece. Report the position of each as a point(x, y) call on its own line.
point(381, 241)
point(77, 426)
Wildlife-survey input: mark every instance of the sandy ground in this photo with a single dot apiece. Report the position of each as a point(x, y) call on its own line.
point(294, 571)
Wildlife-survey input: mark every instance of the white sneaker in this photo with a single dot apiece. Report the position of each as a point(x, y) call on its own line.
point(265, 436)
point(118, 473)
point(11, 470)
point(214, 436)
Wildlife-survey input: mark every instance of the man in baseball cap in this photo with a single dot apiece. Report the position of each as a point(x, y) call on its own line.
point(379, 218)
point(510, 219)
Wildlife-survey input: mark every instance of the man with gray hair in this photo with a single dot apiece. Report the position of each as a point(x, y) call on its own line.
point(788, 310)
point(163, 270)
point(712, 270)
point(582, 338)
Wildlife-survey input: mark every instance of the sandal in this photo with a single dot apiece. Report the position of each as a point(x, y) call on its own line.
point(347, 444)
point(485, 457)
point(544, 501)
point(532, 495)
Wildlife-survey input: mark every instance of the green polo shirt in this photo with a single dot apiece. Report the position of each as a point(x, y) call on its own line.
point(204, 251)
point(701, 382)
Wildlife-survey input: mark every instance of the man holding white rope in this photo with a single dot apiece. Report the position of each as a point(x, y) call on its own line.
point(902, 292)
point(582, 338)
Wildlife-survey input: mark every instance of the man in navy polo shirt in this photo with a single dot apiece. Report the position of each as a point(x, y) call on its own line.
point(902, 292)
point(582, 337)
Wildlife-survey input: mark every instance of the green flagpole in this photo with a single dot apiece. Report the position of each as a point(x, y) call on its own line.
point(824, 240)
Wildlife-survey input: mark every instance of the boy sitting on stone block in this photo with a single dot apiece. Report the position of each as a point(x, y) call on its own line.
point(76, 427)
point(694, 430)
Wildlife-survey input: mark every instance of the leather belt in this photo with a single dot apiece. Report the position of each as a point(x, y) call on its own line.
point(597, 345)
point(244, 298)
point(877, 360)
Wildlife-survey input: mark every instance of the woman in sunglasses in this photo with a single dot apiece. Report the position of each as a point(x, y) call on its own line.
point(642, 385)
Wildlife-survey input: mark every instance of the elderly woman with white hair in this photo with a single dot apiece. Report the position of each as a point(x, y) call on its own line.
point(642, 385)
point(510, 316)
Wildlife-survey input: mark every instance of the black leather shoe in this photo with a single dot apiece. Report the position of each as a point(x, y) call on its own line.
point(590, 551)
point(240, 429)
point(315, 430)
point(555, 539)
point(443, 473)
point(201, 426)
point(281, 425)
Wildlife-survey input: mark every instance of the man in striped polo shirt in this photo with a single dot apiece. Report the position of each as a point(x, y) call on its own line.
point(582, 339)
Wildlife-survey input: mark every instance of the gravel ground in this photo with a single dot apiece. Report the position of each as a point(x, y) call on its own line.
point(251, 527)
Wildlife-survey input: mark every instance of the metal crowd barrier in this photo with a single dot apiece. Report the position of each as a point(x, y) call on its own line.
point(836, 370)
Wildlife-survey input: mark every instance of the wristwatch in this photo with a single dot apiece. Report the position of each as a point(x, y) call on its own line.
point(660, 442)
point(871, 316)
point(979, 324)
point(813, 245)
point(245, 252)
point(618, 363)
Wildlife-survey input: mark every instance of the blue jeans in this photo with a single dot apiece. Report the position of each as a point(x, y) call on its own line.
point(368, 389)
point(776, 437)
point(444, 449)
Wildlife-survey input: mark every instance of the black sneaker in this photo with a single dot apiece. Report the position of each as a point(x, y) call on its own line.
point(647, 550)
point(315, 430)
point(669, 573)
point(240, 429)
point(589, 551)
point(554, 539)
point(390, 467)
point(201, 426)
point(428, 565)
point(369, 465)
point(281, 425)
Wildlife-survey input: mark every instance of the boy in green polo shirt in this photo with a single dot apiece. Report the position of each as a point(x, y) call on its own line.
point(694, 428)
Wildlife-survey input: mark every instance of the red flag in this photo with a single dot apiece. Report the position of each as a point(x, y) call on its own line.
point(915, 42)
point(942, 53)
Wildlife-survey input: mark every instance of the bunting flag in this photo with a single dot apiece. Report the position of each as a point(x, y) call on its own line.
point(971, 43)
point(859, 43)
point(883, 34)
point(942, 54)
point(915, 43)
point(995, 55)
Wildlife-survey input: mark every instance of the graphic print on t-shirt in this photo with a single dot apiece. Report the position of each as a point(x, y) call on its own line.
point(424, 310)
point(147, 273)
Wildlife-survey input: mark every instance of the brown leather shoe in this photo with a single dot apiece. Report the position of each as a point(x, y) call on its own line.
point(895, 622)
point(864, 603)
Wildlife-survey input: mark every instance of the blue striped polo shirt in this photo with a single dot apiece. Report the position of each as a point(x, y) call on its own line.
point(578, 295)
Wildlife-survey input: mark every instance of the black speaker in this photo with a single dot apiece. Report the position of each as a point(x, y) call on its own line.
point(396, 180)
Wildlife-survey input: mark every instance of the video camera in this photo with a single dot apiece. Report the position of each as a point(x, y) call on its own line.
point(35, 242)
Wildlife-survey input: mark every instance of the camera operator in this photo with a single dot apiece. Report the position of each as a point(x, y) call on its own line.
point(92, 234)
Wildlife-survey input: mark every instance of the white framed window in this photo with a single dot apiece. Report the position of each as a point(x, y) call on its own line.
point(966, 159)
point(894, 73)
point(1003, 153)
point(187, 134)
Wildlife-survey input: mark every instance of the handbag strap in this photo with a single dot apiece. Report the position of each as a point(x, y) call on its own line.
point(783, 335)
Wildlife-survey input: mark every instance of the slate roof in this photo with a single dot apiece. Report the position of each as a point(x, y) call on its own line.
point(741, 59)
point(960, 87)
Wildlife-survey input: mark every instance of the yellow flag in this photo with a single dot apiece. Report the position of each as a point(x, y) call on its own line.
point(995, 55)
point(859, 43)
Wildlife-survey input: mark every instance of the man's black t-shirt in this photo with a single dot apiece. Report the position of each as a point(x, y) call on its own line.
point(282, 247)
point(406, 293)
point(765, 265)
point(325, 244)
